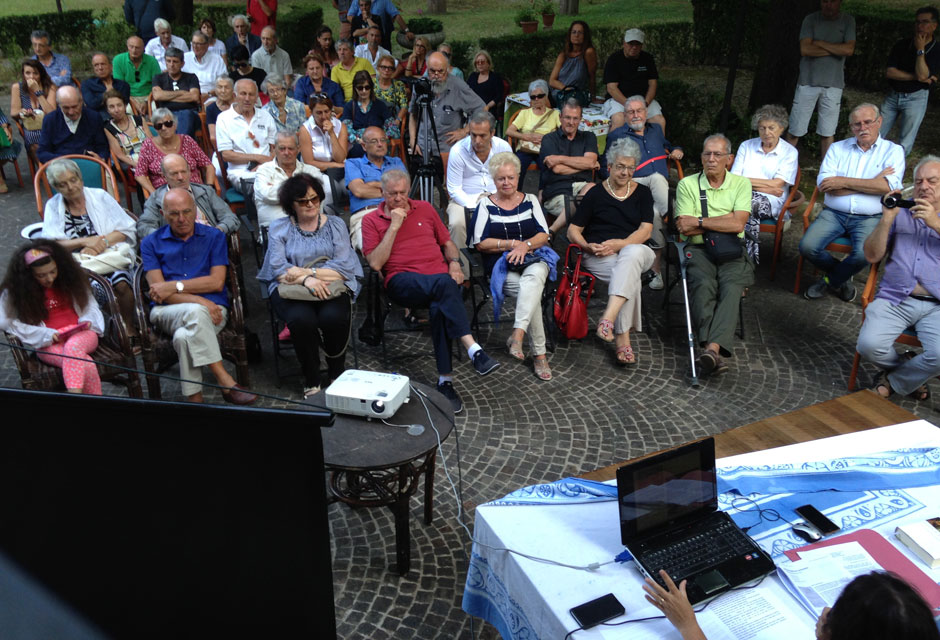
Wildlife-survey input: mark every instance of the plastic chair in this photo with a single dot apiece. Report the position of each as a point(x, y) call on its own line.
point(114, 348)
point(842, 244)
point(95, 173)
point(776, 226)
point(157, 348)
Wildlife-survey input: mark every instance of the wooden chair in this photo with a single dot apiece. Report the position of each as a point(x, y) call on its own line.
point(514, 142)
point(157, 348)
point(127, 178)
point(202, 135)
point(95, 174)
point(31, 158)
point(16, 168)
point(776, 226)
point(114, 348)
point(842, 244)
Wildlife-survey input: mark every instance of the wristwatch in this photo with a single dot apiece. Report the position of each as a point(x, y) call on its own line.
point(528, 243)
point(920, 52)
point(179, 286)
point(700, 223)
point(457, 260)
point(313, 273)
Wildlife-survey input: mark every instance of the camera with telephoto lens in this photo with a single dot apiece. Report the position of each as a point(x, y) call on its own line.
point(892, 201)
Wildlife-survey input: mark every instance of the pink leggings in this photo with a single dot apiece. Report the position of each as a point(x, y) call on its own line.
point(78, 374)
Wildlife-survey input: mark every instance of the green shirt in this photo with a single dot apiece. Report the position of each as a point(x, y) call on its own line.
point(734, 194)
point(141, 78)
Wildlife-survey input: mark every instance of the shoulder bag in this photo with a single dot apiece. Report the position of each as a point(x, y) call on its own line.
point(300, 292)
point(532, 147)
point(720, 246)
point(571, 300)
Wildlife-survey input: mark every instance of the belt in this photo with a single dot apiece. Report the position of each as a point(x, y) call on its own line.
point(926, 298)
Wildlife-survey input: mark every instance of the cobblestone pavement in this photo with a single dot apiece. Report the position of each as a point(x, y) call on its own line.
point(517, 430)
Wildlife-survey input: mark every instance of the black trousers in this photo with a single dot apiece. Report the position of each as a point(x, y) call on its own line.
point(314, 325)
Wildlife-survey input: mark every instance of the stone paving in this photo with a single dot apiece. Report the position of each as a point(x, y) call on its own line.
point(517, 430)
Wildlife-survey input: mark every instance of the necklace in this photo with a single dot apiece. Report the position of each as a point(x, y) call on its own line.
point(614, 193)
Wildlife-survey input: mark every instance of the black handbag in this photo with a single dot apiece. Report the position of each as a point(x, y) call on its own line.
point(528, 260)
point(720, 246)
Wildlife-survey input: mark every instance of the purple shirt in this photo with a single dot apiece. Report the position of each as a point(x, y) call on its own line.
point(915, 257)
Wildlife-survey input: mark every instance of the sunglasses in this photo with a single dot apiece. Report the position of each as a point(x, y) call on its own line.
point(165, 124)
point(305, 202)
point(239, 64)
point(364, 87)
point(537, 96)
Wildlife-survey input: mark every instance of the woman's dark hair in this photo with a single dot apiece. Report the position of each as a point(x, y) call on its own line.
point(295, 188)
point(322, 30)
point(25, 297)
point(361, 78)
point(44, 78)
point(588, 44)
point(112, 93)
point(207, 21)
point(319, 98)
point(240, 53)
point(880, 605)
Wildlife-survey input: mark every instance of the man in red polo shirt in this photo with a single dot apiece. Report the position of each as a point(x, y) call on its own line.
point(406, 240)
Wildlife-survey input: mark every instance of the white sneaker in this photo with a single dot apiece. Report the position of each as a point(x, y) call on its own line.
point(657, 282)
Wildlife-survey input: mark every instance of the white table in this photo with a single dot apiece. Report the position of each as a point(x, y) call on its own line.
point(531, 600)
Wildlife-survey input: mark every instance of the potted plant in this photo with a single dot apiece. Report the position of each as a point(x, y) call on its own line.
point(528, 19)
point(547, 9)
point(430, 28)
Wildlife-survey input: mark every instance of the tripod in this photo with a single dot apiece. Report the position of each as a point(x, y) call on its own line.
point(429, 173)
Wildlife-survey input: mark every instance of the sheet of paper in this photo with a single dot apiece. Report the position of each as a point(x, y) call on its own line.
point(819, 577)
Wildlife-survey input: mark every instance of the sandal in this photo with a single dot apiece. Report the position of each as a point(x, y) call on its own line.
point(605, 330)
point(4, 188)
point(625, 355)
point(542, 370)
point(515, 348)
point(310, 391)
point(881, 382)
point(920, 394)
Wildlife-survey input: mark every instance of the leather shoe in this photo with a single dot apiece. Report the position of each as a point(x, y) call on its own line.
point(239, 395)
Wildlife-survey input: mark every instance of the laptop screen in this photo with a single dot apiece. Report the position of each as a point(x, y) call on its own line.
point(666, 488)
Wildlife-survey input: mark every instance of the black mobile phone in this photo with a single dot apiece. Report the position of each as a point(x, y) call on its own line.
point(593, 613)
point(813, 516)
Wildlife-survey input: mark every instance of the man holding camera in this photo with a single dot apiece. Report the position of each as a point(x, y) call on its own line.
point(854, 174)
point(909, 295)
point(452, 104)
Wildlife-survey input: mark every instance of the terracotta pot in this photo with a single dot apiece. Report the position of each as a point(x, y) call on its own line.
point(548, 19)
point(529, 27)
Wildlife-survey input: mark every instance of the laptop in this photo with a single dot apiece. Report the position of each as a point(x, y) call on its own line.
point(669, 519)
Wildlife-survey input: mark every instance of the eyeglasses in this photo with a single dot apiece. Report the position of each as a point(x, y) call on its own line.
point(537, 96)
point(864, 124)
point(435, 71)
point(714, 154)
point(386, 67)
point(166, 124)
point(306, 202)
point(364, 87)
point(621, 168)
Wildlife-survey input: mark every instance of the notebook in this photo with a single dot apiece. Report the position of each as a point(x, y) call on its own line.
point(669, 519)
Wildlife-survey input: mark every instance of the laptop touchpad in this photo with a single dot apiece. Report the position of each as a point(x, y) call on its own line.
point(711, 581)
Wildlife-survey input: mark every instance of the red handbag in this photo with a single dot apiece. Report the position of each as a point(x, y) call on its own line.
point(571, 300)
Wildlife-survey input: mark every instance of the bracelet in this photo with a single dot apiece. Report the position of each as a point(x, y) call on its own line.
point(499, 245)
point(106, 243)
point(457, 260)
point(303, 282)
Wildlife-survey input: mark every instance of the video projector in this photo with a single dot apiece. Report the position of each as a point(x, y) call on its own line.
point(368, 393)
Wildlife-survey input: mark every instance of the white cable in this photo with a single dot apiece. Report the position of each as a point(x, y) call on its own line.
point(594, 566)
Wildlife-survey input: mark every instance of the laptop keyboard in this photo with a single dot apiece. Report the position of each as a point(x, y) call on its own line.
point(688, 556)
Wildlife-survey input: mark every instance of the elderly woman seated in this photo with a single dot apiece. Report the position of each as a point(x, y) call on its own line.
point(509, 228)
point(530, 125)
point(91, 223)
point(768, 161)
point(612, 226)
point(288, 114)
point(149, 169)
point(310, 271)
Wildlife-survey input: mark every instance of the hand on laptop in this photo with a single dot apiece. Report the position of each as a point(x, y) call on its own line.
point(674, 603)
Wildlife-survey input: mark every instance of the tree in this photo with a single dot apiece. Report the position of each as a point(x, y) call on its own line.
point(437, 6)
point(779, 61)
point(184, 11)
point(568, 7)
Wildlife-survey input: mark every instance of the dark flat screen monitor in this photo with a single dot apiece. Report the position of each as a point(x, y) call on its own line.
point(169, 520)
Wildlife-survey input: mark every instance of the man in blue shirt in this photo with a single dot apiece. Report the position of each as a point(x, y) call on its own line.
point(186, 264)
point(652, 170)
point(57, 65)
point(93, 88)
point(363, 177)
point(909, 295)
point(73, 128)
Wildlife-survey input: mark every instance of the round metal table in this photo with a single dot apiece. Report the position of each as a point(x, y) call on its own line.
point(372, 464)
